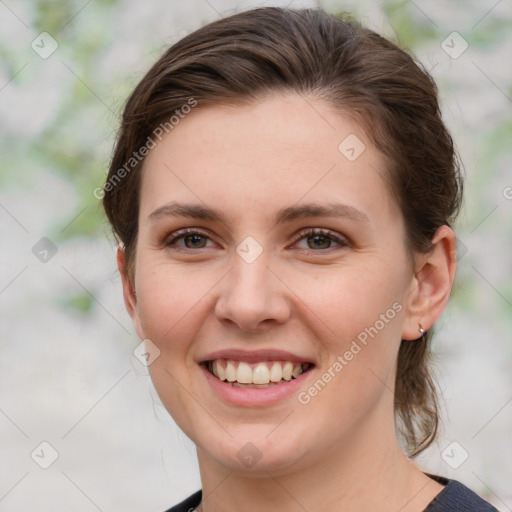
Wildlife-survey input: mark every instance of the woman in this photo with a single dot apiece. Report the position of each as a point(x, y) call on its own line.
point(282, 189)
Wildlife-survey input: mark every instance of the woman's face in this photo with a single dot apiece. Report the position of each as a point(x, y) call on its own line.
point(298, 265)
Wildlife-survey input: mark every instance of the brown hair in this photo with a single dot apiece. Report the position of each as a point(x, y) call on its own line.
point(242, 58)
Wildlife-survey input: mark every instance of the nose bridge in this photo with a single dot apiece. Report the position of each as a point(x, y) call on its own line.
point(251, 294)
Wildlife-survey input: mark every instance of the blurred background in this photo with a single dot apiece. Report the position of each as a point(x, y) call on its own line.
point(81, 426)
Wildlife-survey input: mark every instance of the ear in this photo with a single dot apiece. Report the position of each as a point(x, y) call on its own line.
point(130, 298)
point(431, 284)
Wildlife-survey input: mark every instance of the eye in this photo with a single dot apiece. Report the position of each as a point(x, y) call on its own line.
point(320, 239)
point(192, 238)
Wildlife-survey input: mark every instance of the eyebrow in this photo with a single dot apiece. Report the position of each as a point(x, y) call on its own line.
point(288, 214)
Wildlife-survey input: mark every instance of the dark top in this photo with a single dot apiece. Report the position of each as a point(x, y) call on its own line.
point(455, 497)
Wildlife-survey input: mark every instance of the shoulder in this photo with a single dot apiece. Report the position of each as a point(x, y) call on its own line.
point(189, 504)
point(456, 497)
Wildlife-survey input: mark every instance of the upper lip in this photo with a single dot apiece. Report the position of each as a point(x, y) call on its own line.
point(256, 356)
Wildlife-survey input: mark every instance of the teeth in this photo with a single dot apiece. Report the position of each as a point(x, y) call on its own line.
point(218, 370)
point(244, 374)
point(297, 370)
point(276, 372)
point(260, 374)
point(287, 370)
point(230, 371)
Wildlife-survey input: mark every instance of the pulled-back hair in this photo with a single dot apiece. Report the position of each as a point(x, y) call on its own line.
point(243, 58)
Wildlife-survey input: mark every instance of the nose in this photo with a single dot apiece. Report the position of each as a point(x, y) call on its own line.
point(252, 296)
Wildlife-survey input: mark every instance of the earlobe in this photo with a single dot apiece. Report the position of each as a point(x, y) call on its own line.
point(129, 295)
point(432, 284)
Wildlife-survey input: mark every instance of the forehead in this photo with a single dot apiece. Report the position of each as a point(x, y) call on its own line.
point(282, 147)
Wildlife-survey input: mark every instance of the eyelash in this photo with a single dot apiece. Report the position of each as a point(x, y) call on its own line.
point(308, 232)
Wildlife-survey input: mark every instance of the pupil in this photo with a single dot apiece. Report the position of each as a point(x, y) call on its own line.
point(317, 237)
point(195, 237)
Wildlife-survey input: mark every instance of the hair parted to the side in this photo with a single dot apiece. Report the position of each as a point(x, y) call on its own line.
point(243, 58)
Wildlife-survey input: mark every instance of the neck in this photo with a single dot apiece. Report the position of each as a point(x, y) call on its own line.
point(368, 473)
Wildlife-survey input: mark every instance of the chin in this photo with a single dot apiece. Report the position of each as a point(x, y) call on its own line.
point(257, 454)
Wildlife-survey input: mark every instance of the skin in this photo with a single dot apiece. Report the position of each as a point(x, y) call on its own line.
point(307, 296)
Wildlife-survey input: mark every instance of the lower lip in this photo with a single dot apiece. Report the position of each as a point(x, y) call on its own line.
point(248, 397)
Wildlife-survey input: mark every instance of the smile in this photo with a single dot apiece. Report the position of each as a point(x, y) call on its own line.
point(256, 375)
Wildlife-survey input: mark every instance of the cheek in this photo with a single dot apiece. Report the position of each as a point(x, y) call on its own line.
point(348, 301)
point(358, 371)
point(169, 301)
point(359, 316)
point(168, 298)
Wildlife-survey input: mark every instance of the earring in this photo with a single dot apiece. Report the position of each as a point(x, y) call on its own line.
point(422, 331)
